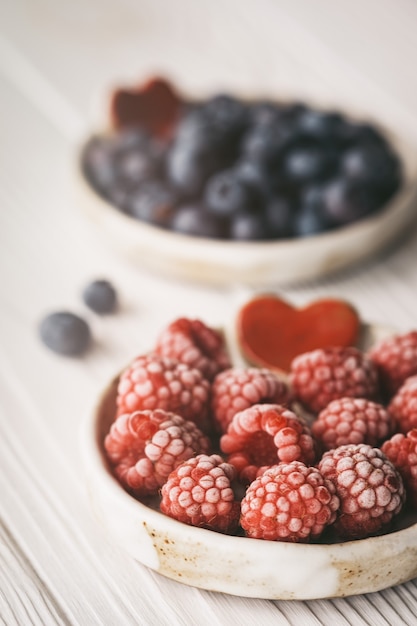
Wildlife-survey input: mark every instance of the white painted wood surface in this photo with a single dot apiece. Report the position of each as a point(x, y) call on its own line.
point(56, 60)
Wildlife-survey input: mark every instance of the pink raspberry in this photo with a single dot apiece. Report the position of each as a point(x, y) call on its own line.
point(264, 434)
point(195, 344)
point(145, 446)
point(289, 502)
point(403, 406)
point(199, 492)
point(370, 489)
point(237, 388)
point(155, 382)
point(396, 359)
point(326, 374)
point(401, 450)
point(352, 420)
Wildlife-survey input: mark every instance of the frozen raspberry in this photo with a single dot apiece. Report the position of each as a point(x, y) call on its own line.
point(145, 446)
point(370, 489)
point(289, 502)
point(396, 359)
point(236, 389)
point(403, 406)
point(352, 420)
point(198, 492)
point(323, 375)
point(263, 435)
point(195, 344)
point(401, 450)
point(155, 382)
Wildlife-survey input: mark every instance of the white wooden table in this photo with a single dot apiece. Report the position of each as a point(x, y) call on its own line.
point(56, 58)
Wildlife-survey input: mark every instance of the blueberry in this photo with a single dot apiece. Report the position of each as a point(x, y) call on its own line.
point(264, 113)
point(195, 220)
point(247, 226)
point(304, 164)
point(346, 201)
point(98, 163)
point(311, 217)
point(325, 126)
point(189, 168)
point(254, 173)
point(65, 333)
point(226, 194)
point(153, 201)
point(268, 143)
point(279, 213)
point(371, 163)
point(100, 296)
point(228, 114)
point(119, 195)
point(365, 133)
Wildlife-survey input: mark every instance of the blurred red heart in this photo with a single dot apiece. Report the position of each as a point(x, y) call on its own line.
point(154, 106)
point(271, 332)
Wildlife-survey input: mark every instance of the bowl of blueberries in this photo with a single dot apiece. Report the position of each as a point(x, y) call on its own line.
point(229, 190)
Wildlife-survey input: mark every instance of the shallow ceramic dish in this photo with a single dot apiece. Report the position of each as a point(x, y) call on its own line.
point(238, 565)
point(257, 263)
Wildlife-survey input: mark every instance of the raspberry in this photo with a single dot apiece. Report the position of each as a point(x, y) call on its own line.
point(155, 382)
point(370, 489)
point(401, 450)
point(145, 446)
point(198, 492)
point(195, 344)
point(326, 374)
point(263, 435)
point(236, 389)
point(352, 420)
point(396, 359)
point(403, 406)
point(288, 502)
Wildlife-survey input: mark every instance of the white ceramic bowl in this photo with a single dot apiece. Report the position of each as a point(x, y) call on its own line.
point(239, 565)
point(257, 263)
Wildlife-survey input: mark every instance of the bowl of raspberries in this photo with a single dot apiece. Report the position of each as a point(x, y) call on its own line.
point(260, 482)
point(224, 188)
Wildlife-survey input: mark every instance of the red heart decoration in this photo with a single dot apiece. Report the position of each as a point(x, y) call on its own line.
point(271, 332)
point(154, 106)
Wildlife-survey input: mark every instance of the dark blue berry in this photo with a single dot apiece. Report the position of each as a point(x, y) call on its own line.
point(65, 333)
point(268, 143)
point(265, 113)
point(98, 163)
point(311, 217)
point(100, 296)
point(371, 163)
point(226, 194)
point(304, 164)
point(256, 174)
point(228, 114)
point(346, 201)
point(247, 226)
point(279, 213)
point(188, 168)
point(195, 220)
point(153, 201)
point(324, 126)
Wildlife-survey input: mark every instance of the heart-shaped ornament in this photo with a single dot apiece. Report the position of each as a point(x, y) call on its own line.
point(271, 332)
point(153, 106)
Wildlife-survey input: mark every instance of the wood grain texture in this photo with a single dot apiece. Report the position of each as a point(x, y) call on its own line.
point(57, 566)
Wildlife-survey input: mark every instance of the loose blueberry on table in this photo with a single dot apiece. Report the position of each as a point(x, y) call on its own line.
point(322, 449)
point(230, 169)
